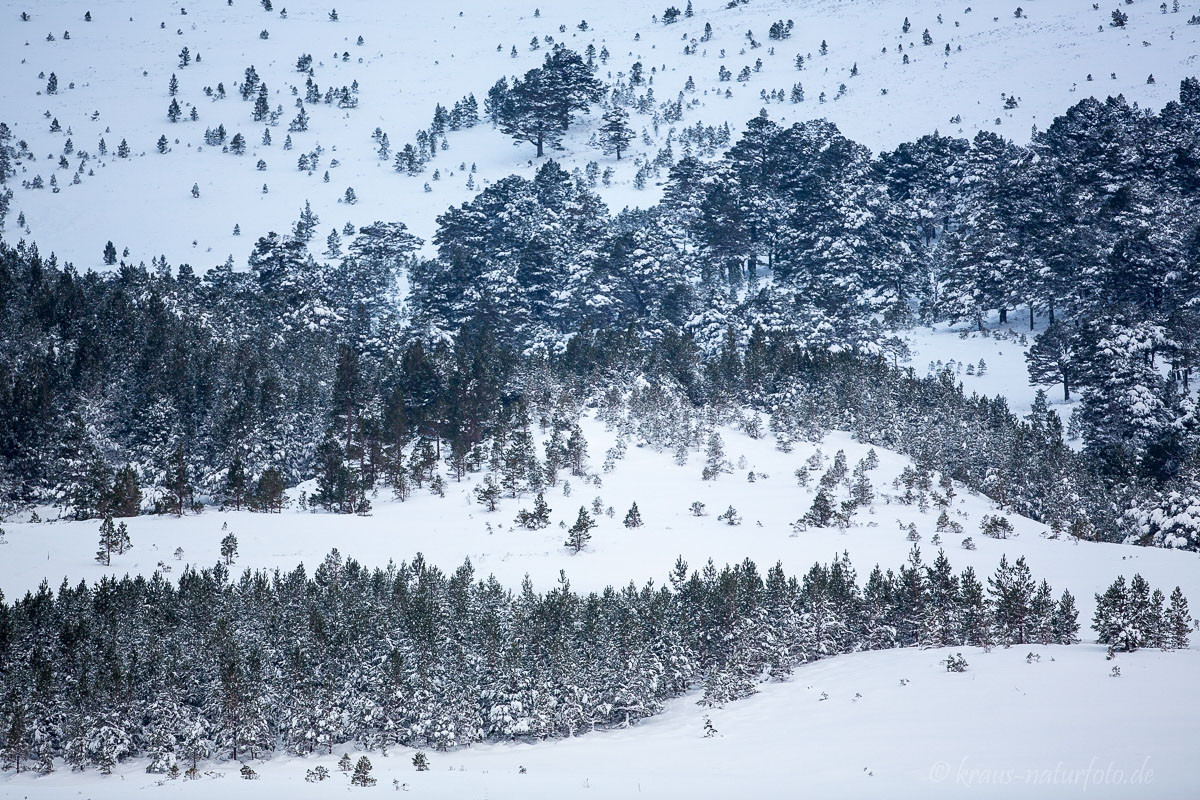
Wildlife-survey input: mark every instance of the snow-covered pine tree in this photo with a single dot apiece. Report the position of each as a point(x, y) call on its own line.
point(580, 533)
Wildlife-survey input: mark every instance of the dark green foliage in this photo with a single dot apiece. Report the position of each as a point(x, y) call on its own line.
point(579, 534)
point(1128, 617)
point(362, 773)
point(536, 519)
point(441, 658)
point(539, 107)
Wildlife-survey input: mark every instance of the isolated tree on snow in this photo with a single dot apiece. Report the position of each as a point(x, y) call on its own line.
point(362, 773)
point(538, 518)
point(108, 541)
point(615, 133)
point(633, 517)
point(822, 510)
point(540, 107)
point(487, 494)
point(229, 548)
point(581, 532)
point(714, 458)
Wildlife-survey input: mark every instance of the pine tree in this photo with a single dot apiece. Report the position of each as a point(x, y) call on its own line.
point(1012, 589)
point(939, 624)
point(580, 533)
point(229, 548)
point(1042, 609)
point(536, 519)
point(714, 458)
point(15, 748)
point(1178, 621)
point(179, 483)
point(362, 773)
point(110, 253)
point(262, 106)
point(487, 494)
point(108, 541)
point(633, 517)
point(576, 453)
point(822, 510)
point(862, 491)
point(615, 133)
point(1121, 614)
point(974, 611)
point(1065, 623)
point(123, 542)
point(420, 761)
point(269, 494)
point(539, 107)
point(126, 496)
point(235, 483)
point(1052, 358)
point(730, 517)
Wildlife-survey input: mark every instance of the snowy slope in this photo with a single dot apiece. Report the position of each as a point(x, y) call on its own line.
point(932, 737)
point(417, 54)
point(891, 724)
point(450, 529)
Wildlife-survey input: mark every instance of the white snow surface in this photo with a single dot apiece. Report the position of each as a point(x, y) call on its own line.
point(418, 54)
point(450, 529)
point(1057, 727)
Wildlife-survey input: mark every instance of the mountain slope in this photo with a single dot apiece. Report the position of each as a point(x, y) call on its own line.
point(417, 55)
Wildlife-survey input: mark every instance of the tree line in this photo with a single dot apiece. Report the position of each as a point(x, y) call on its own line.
point(240, 667)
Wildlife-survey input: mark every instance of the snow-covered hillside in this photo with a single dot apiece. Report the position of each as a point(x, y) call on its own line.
point(113, 74)
point(457, 527)
point(882, 724)
point(114, 404)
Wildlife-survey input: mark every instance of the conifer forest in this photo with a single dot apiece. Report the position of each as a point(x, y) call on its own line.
point(691, 392)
